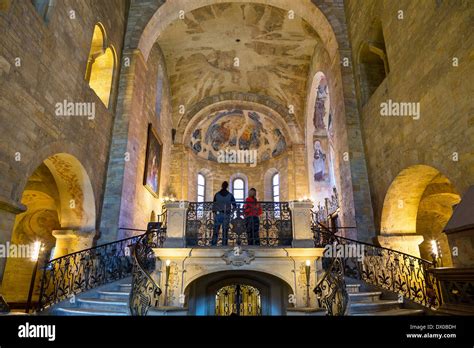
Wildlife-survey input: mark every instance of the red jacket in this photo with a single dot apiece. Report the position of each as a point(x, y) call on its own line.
point(252, 207)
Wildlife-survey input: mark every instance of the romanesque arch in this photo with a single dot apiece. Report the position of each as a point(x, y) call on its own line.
point(420, 202)
point(60, 213)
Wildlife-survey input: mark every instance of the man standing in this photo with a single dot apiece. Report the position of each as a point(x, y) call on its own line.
point(224, 201)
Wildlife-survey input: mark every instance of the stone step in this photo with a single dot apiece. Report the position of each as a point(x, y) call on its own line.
point(125, 287)
point(369, 296)
point(394, 312)
point(103, 304)
point(113, 295)
point(87, 311)
point(372, 307)
point(167, 311)
point(352, 288)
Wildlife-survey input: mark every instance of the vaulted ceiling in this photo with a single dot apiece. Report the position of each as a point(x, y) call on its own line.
point(273, 51)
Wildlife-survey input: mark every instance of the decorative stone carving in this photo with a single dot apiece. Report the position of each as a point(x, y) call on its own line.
point(238, 257)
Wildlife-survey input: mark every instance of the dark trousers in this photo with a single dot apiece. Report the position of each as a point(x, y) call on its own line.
point(224, 220)
point(253, 227)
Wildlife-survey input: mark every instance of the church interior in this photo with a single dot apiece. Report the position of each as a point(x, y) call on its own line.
point(342, 129)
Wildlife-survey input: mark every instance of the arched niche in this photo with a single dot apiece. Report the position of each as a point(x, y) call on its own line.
point(420, 202)
point(320, 151)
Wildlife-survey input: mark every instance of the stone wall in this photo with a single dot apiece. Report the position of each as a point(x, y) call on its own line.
point(128, 203)
point(41, 64)
point(420, 50)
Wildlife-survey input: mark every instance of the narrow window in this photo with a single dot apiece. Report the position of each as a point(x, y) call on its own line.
point(201, 188)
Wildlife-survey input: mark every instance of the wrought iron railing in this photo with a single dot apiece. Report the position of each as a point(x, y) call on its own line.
point(388, 269)
point(145, 291)
point(331, 290)
point(210, 225)
point(87, 269)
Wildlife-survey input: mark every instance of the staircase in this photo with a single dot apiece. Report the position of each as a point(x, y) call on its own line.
point(374, 303)
point(108, 300)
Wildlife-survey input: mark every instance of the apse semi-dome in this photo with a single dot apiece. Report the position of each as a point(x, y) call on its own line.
point(234, 130)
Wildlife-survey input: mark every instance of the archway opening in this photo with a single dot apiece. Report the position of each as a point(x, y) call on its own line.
point(58, 198)
point(238, 293)
point(420, 202)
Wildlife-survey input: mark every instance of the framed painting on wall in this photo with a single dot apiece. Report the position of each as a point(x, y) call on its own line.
point(154, 151)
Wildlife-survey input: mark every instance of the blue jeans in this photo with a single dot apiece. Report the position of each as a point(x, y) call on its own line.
point(224, 220)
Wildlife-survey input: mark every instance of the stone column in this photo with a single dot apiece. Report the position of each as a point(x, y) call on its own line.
point(70, 241)
point(8, 213)
point(176, 224)
point(404, 242)
point(301, 221)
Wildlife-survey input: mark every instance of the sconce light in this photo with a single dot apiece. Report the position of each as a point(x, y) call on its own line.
point(436, 251)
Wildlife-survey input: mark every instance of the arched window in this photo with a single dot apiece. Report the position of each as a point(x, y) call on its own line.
point(238, 189)
point(43, 7)
point(373, 62)
point(276, 187)
point(101, 65)
point(201, 188)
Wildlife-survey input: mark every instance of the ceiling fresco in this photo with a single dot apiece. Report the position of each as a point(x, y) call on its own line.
point(237, 129)
point(274, 51)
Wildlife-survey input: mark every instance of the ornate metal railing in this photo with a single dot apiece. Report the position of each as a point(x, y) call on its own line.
point(84, 270)
point(272, 228)
point(388, 269)
point(331, 290)
point(145, 291)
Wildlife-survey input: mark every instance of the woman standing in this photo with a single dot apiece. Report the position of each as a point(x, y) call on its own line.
point(252, 211)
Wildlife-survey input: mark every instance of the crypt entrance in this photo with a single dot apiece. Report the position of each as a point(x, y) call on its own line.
point(238, 299)
point(241, 293)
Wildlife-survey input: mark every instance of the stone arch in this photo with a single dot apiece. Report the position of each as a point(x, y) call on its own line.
point(245, 100)
point(419, 202)
point(170, 11)
point(60, 213)
point(199, 290)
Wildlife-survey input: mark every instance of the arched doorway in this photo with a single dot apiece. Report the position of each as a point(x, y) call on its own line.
point(60, 213)
point(245, 293)
point(419, 202)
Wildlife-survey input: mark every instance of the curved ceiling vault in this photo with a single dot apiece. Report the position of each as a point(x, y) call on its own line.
point(274, 54)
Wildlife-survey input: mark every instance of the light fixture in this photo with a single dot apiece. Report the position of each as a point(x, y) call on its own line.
point(434, 248)
point(35, 251)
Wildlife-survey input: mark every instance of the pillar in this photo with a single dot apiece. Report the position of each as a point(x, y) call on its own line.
point(176, 224)
point(301, 221)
